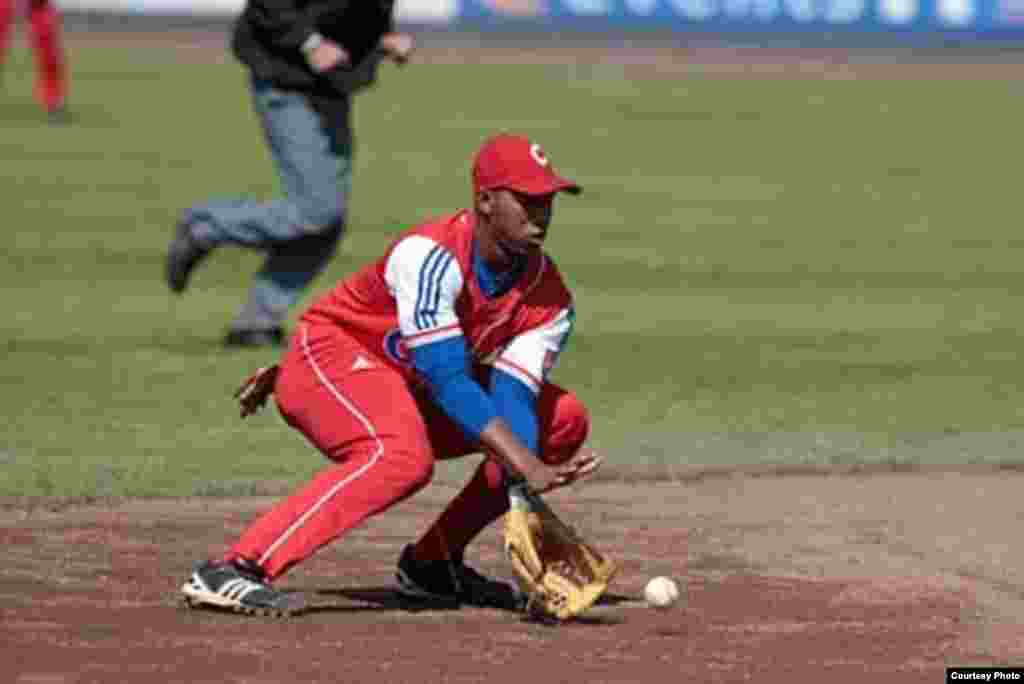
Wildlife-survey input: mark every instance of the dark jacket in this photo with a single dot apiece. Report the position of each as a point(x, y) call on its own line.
point(268, 35)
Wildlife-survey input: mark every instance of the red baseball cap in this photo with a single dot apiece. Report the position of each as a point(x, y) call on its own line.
point(512, 162)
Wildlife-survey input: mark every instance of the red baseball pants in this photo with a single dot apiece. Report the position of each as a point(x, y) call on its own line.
point(383, 440)
point(44, 36)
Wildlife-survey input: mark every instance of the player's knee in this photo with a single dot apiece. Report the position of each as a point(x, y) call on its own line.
point(572, 421)
point(569, 429)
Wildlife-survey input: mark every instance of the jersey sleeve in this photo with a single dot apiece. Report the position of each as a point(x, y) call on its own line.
point(425, 280)
point(531, 355)
point(517, 404)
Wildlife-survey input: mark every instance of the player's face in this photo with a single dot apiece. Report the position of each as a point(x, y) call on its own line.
point(521, 221)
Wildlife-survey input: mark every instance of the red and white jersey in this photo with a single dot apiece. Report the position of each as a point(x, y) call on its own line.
point(424, 289)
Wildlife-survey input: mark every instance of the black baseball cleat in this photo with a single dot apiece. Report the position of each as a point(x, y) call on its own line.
point(482, 591)
point(452, 582)
point(240, 587)
point(183, 255)
point(270, 337)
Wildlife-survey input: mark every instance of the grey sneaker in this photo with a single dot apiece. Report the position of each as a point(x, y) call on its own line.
point(183, 255)
point(451, 582)
point(239, 587)
point(58, 116)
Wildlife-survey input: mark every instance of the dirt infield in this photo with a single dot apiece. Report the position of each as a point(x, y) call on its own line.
point(892, 575)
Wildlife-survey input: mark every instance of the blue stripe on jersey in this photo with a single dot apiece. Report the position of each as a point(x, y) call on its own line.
point(432, 294)
point(428, 292)
point(437, 290)
point(424, 285)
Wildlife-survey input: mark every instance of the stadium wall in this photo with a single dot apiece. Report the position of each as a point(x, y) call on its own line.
point(958, 20)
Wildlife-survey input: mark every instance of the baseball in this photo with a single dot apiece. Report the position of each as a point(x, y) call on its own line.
point(661, 592)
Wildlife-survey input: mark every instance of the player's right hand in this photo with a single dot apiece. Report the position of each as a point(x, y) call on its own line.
point(397, 46)
point(584, 462)
point(328, 55)
point(543, 478)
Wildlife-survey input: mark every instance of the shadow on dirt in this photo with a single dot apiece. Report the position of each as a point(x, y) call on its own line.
point(386, 598)
point(360, 599)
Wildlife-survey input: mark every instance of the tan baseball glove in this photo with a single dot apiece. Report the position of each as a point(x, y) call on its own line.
point(254, 392)
point(560, 574)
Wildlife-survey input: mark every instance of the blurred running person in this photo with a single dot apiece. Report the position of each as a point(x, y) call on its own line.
point(306, 59)
point(44, 35)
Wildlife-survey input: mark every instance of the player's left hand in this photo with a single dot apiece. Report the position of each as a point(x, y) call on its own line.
point(254, 392)
point(397, 46)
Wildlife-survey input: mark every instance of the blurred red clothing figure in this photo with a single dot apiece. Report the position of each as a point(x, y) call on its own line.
point(44, 36)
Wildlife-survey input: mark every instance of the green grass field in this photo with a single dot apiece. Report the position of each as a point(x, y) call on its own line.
point(780, 270)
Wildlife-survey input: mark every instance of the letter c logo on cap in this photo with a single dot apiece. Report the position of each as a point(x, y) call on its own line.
point(538, 155)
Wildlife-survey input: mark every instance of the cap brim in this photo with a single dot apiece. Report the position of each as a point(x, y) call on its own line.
point(547, 186)
point(571, 188)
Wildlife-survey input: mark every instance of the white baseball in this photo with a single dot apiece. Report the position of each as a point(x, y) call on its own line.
point(661, 592)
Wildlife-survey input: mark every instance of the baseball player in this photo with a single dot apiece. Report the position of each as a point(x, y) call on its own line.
point(439, 349)
point(44, 35)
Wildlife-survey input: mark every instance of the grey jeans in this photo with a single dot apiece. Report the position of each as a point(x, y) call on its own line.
point(310, 140)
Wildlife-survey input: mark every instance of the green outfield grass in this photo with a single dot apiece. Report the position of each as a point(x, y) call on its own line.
point(767, 271)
